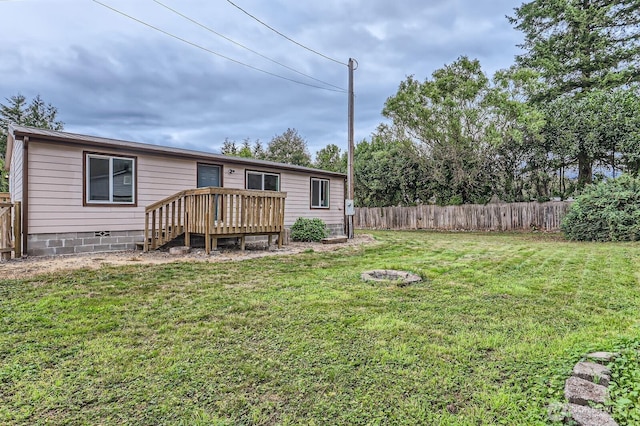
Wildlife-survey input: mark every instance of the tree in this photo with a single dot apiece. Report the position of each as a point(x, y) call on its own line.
point(389, 171)
point(258, 150)
point(229, 147)
point(599, 128)
point(289, 148)
point(450, 117)
point(580, 45)
point(4, 183)
point(521, 161)
point(330, 158)
point(245, 150)
point(36, 113)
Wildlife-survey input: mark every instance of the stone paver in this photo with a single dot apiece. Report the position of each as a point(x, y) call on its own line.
point(588, 384)
point(593, 372)
point(587, 416)
point(601, 357)
point(581, 392)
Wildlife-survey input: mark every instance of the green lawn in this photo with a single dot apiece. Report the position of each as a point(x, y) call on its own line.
point(488, 338)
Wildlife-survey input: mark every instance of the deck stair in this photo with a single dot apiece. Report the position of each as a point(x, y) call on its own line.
point(214, 213)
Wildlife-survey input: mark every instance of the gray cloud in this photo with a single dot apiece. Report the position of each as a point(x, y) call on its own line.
point(113, 77)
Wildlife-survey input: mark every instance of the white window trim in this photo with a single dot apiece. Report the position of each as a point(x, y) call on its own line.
point(262, 175)
point(88, 183)
point(327, 184)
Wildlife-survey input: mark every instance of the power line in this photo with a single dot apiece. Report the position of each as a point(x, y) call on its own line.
point(288, 38)
point(215, 53)
point(243, 46)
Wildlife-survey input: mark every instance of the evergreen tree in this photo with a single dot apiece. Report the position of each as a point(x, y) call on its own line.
point(580, 45)
point(229, 147)
point(18, 111)
point(245, 151)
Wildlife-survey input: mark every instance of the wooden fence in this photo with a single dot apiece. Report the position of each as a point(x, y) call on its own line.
point(468, 217)
point(10, 229)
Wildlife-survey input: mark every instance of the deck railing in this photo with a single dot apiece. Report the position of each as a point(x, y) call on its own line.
point(214, 213)
point(10, 228)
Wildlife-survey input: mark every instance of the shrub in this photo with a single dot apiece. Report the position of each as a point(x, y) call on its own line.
point(606, 211)
point(308, 230)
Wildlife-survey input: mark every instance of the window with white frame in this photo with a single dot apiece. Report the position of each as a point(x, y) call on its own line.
point(319, 193)
point(263, 181)
point(109, 179)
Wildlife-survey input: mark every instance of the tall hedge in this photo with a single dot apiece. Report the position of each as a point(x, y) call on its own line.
point(606, 211)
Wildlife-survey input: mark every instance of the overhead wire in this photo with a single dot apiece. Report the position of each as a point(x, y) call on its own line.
point(243, 46)
point(286, 37)
point(213, 52)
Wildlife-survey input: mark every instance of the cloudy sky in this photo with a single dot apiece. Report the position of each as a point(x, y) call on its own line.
point(112, 76)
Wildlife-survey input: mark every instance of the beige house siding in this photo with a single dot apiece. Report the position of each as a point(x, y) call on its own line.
point(299, 202)
point(56, 189)
point(15, 179)
point(298, 189)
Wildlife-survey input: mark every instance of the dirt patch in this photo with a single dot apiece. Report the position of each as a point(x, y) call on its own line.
point(32, 266)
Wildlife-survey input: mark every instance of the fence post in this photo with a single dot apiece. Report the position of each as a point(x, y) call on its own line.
point(17, 230)
point(5, 232)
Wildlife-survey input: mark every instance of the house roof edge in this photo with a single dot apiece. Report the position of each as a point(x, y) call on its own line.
point(19, 132)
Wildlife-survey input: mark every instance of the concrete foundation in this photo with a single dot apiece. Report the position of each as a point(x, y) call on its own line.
point(102, 241)
point(82, 242)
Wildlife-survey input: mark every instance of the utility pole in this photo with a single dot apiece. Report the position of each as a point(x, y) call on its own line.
point(349, 206)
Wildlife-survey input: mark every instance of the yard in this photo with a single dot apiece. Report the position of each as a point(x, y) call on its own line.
point(488, 338)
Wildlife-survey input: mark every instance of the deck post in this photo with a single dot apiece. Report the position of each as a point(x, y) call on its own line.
point(207, 233)
point(145, 247)
point(160, 228)
point(180, 226)
point(173, 220)
point(187, 234)
point(153, 230)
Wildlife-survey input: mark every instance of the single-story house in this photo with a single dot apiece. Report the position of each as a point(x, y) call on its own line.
point(84, 193)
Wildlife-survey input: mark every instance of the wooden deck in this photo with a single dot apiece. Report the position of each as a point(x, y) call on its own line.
point(215, 213)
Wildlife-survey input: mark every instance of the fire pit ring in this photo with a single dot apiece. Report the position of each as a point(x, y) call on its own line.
point(402, 278)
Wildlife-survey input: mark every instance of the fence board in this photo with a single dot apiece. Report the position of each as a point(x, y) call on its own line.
point(467, 217)
point(10, 228)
